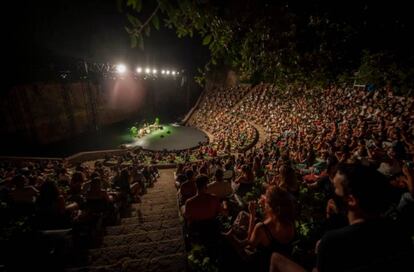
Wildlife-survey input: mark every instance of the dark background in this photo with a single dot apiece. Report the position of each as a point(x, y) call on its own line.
point(41, 38)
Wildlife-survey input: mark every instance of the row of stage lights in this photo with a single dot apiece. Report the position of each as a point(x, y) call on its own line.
point(122, 69)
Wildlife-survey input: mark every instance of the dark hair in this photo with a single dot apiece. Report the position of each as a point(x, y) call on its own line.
point(96, 183)
point(219, 174)
point(124, 174)
point(77, 177)
point(189, 174)
point(95, 175)
point(282, 203)
point(332, 163)
point(181, 178)
point(48, 194)
point(19, 181)
point(201, 181)
point(367, 185)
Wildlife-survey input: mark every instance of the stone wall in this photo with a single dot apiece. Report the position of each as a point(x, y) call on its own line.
point(48, 112)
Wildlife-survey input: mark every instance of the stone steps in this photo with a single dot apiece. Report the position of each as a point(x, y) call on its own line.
point(168, 263)
point(146, 226)
point(142, 237)
point(149, 218)
point(154, 212)
point(159, 206)
point(171, 263)
point(111, 255)
point(149, 240)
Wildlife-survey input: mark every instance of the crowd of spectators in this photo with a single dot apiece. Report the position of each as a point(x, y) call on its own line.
point(42, 198)
point(351, 148)
point(230, 133)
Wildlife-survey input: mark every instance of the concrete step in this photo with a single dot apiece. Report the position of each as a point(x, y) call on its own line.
point(168, 263)
point(150, 207)
point(111, 255)
point(136, 211)
point(146, 226)
point(149, 218)
point(142, 237)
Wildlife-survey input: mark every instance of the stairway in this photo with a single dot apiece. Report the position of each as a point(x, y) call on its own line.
point(150, 240)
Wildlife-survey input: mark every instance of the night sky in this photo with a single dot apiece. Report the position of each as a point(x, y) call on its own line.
point(44, 32)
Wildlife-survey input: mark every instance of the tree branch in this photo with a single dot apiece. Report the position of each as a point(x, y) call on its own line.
point(149, 19)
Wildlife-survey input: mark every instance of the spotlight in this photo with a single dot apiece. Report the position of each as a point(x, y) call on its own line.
point(168, 72)
point(139, 70)
point(178, 73)
point(120, 68)
point(154, 71)
point(173, 72)
point(162, 71)
point(147, 70)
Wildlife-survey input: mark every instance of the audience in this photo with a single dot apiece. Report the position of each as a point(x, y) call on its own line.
point(347, 147)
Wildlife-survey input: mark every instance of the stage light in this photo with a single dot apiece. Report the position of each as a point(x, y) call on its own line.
point(154, 71)
point(139, 70)
point(173, 73)
point(162, 71)
point(120, 68)
point(147, 70)
point(178, 73)
point(168, 72)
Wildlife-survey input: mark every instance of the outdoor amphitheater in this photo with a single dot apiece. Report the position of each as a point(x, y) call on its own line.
point(133, 166)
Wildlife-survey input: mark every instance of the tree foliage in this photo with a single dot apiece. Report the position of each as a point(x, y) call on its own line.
point(285, 40)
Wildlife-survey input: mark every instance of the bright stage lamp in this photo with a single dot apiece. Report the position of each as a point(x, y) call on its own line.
point(173, 73)
point(120, 68)
point(139, 70)
point(154, 71)
point(168, 72)
point(162, 71)
point(147, 70)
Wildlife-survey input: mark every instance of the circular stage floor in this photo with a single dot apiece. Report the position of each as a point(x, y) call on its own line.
point(171, 137)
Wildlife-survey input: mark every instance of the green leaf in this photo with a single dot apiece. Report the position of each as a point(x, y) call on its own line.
point(133, 20)
point(147, 30)
point(207, 40)
point(128, 30)
point(138, 5)
point(156, 22)
point(141, 42)
point(132, 3)
point(133, 41)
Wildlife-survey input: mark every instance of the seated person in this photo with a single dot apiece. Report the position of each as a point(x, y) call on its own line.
point(96, 192)
point(51, 209)
point(127, 192)
point(203, 206)
point(188, 189)
point(245, 181)
point(179, 180)
point(273, 234)
point(406, 203)
point(228, 174)
point(22, 194)
point(369, 242)
point(287, 179)
point(219, 187)
point(98, 202)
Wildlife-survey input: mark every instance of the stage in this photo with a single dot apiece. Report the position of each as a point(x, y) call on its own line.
point(171, 137)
